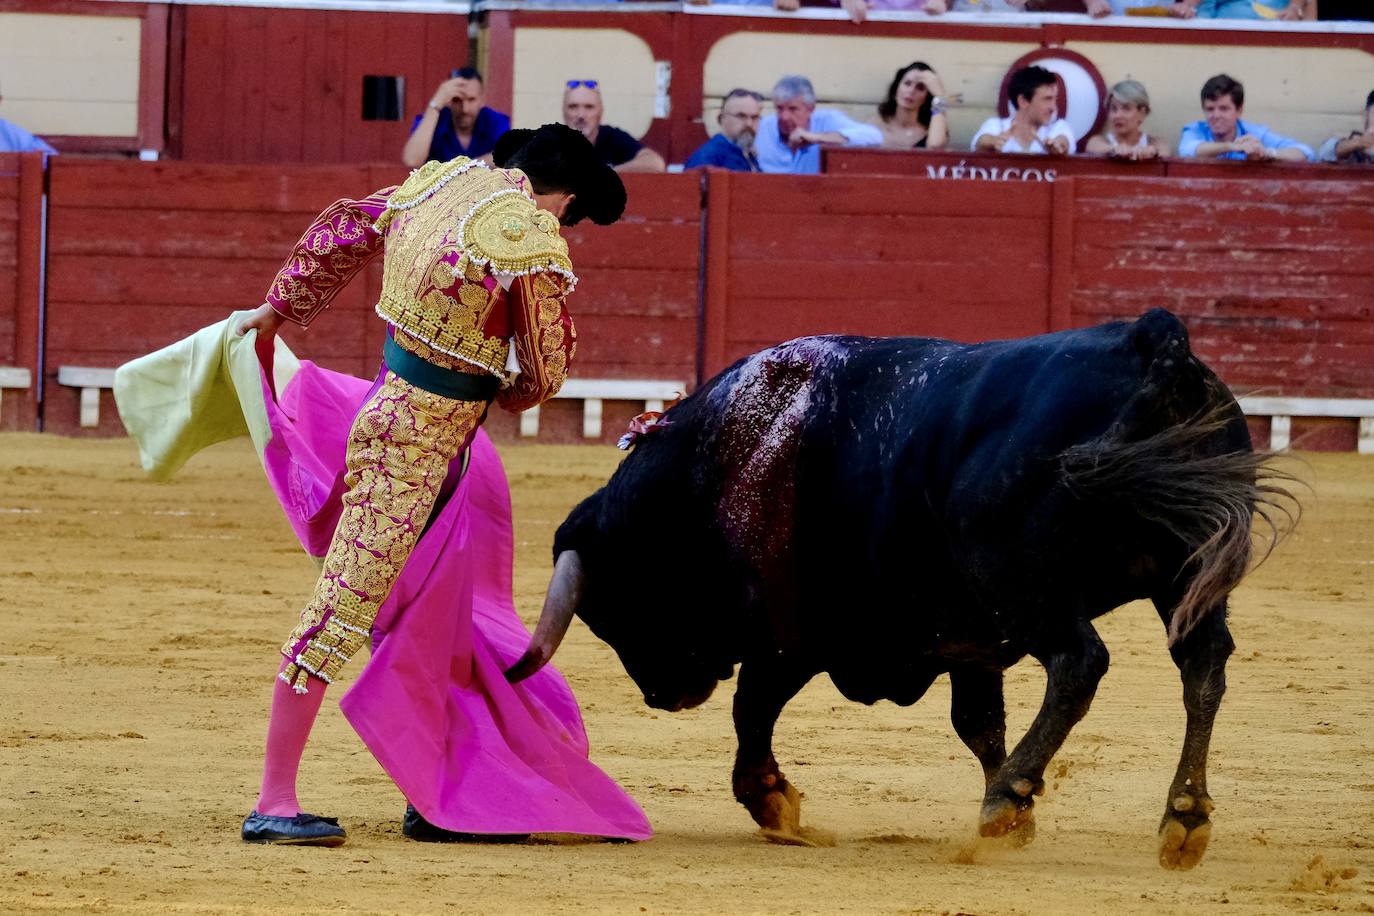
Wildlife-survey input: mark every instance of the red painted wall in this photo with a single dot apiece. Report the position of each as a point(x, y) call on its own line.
point(793, 255)
point(140, 255)
point(285, 85)
point(1272, 277)
point(21, 214)
point(9, 256)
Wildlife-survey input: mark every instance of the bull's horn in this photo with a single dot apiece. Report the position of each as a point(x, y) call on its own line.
point(564, 590)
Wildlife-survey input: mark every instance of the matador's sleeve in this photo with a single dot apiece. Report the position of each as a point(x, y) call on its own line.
point(545, 339)
point(336, 246)
point(518, 242)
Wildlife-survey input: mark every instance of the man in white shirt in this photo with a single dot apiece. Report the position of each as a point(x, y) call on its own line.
point(1034, 125)
point(790, 141)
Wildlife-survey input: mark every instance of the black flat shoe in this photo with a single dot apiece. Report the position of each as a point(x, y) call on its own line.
point(301, 830)
point(417, 828)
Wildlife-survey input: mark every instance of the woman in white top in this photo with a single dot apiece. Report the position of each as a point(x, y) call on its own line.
point(1128, 105)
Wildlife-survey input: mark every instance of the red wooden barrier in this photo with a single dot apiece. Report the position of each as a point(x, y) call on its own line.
point(21, 246)
point(1274, 278)
point(792, 255)
point(956, 165)
point(959, 165)
point(143, 254)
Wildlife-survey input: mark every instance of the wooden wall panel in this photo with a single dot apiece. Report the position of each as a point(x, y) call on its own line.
point(142, 254)
point(9, 256)
point(1273, 278)
point(636, 304)
point(21, 214)
point(285, 85)
point(882, 256)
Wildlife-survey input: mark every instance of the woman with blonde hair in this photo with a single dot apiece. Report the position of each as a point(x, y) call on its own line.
point(1128, 105)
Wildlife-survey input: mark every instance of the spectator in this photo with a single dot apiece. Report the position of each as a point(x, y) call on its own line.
point(936, 7)
point(15, 139)
point(1221, 134)
point(1128, 105)
point(456, 122)
point(1288, 10)
point(913, 113)
point(1033, 126)
point(1099, 8)
point(1358, 147)
point(790, 141)
point(582, 110)
point(733, 147)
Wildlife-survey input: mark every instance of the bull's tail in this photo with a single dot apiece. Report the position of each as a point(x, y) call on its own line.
point(1208, 497)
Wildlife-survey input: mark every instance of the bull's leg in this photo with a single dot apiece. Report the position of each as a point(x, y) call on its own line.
point(764, 688)
point(1201, 659)
point(980, 716)
point(1075, 660)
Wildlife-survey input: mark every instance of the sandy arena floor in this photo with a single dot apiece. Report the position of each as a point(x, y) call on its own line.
point(137, 647)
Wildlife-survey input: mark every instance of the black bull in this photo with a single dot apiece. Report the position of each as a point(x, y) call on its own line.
point(890, 510)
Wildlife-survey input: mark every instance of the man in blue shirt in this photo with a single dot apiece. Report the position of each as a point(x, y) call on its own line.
point(791, 140)
point(1221, 134)
point(15, 139)
point(455, 123)
point(733, 147)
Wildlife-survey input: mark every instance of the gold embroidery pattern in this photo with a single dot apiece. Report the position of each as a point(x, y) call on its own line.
point(332, 250)
point(545, 341)
point(508, 232)
point(398, 454)
point(431, 289)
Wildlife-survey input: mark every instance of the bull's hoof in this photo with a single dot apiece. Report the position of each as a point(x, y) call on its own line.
point(780, 810)
point(1007, 811)
point(1006, 817)
point(1183, 839)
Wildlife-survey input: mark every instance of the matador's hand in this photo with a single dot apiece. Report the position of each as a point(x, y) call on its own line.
point(264, 319)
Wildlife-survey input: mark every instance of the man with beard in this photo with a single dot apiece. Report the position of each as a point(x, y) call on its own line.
point(733, 147)
point(455, 123)
point(790, 141)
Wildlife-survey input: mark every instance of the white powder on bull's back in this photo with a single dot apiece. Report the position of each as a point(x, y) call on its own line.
point(762, 416)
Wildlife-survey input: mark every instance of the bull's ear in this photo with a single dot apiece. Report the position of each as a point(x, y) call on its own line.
point(581, 530)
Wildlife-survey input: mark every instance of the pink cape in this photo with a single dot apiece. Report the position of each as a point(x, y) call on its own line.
point(470, 751)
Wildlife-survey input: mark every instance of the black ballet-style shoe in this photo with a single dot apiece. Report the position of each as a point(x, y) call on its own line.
point(416, 827)
point(301, 830)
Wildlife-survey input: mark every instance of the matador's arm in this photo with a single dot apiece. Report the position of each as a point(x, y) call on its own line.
point(545, 339)
point(338, 244)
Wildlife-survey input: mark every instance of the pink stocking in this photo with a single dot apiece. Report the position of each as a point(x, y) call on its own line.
point(292, 715)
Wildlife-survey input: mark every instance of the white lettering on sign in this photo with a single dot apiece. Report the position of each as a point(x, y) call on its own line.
point(965, 172)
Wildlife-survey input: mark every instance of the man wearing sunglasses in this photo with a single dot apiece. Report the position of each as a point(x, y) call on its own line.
point(582, 111)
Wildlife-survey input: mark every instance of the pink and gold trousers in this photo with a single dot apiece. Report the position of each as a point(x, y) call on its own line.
point(397, 457)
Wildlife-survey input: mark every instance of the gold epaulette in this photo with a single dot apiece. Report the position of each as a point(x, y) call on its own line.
point(422, 184)
point(508, 232)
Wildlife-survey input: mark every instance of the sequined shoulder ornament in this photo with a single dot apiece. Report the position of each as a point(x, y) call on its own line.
point(510, 234)
point(424, 183)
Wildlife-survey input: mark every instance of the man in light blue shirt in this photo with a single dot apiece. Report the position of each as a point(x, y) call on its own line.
point(790, 141)
point(1221, 134)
